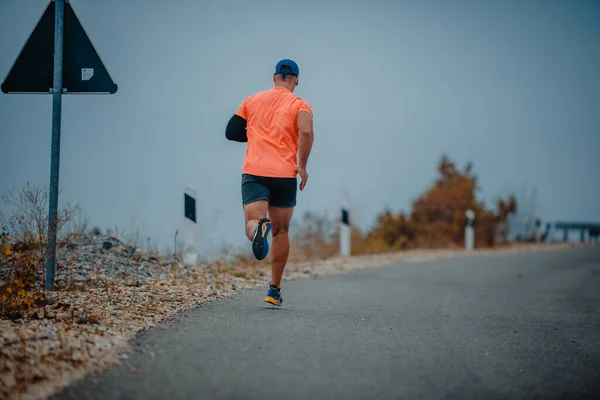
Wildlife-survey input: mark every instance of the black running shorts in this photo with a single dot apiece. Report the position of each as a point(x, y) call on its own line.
point(278, 192)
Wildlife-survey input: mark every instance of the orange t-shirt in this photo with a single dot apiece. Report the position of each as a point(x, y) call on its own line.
point(272, 130)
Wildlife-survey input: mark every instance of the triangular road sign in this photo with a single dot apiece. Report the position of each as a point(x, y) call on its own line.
point(83, 70)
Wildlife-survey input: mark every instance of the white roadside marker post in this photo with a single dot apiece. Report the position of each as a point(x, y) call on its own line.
point(469, 232)
point(190, 254)
point(345, 233)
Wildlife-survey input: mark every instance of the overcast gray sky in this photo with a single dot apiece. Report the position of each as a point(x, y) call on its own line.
point(512, 86)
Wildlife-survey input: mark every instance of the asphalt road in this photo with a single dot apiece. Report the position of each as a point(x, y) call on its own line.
point(512, 326)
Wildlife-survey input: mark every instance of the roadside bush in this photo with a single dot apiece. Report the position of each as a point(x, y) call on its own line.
point(23, 245)
point(18, 290)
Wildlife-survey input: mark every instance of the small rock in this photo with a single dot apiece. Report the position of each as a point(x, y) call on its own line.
point(101, 346)
point(76, 355)
point(8, 380)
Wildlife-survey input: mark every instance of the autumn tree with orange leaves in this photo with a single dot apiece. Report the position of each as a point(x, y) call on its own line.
point(437, 219)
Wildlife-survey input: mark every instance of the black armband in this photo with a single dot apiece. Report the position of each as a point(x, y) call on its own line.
point(236, 129)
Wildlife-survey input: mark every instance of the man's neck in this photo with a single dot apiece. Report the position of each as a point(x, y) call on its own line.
point(283, 86)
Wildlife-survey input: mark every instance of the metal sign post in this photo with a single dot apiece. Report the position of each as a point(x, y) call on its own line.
point(58, 58)
point(55, 156)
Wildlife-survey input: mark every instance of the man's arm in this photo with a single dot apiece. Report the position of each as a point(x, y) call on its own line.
point(305, 142)
point(305, 137)
point(236, 129)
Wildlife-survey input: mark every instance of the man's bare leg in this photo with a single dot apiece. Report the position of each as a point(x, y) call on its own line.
point(255, 216)
point(253, 212)
point(280, 223)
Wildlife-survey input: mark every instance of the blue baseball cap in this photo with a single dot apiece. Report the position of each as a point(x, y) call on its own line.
point(287, 67)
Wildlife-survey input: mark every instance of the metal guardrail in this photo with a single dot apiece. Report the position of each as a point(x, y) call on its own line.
point(588, 231)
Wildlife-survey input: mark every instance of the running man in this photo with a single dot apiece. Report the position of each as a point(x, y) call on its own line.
point(278, 127)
